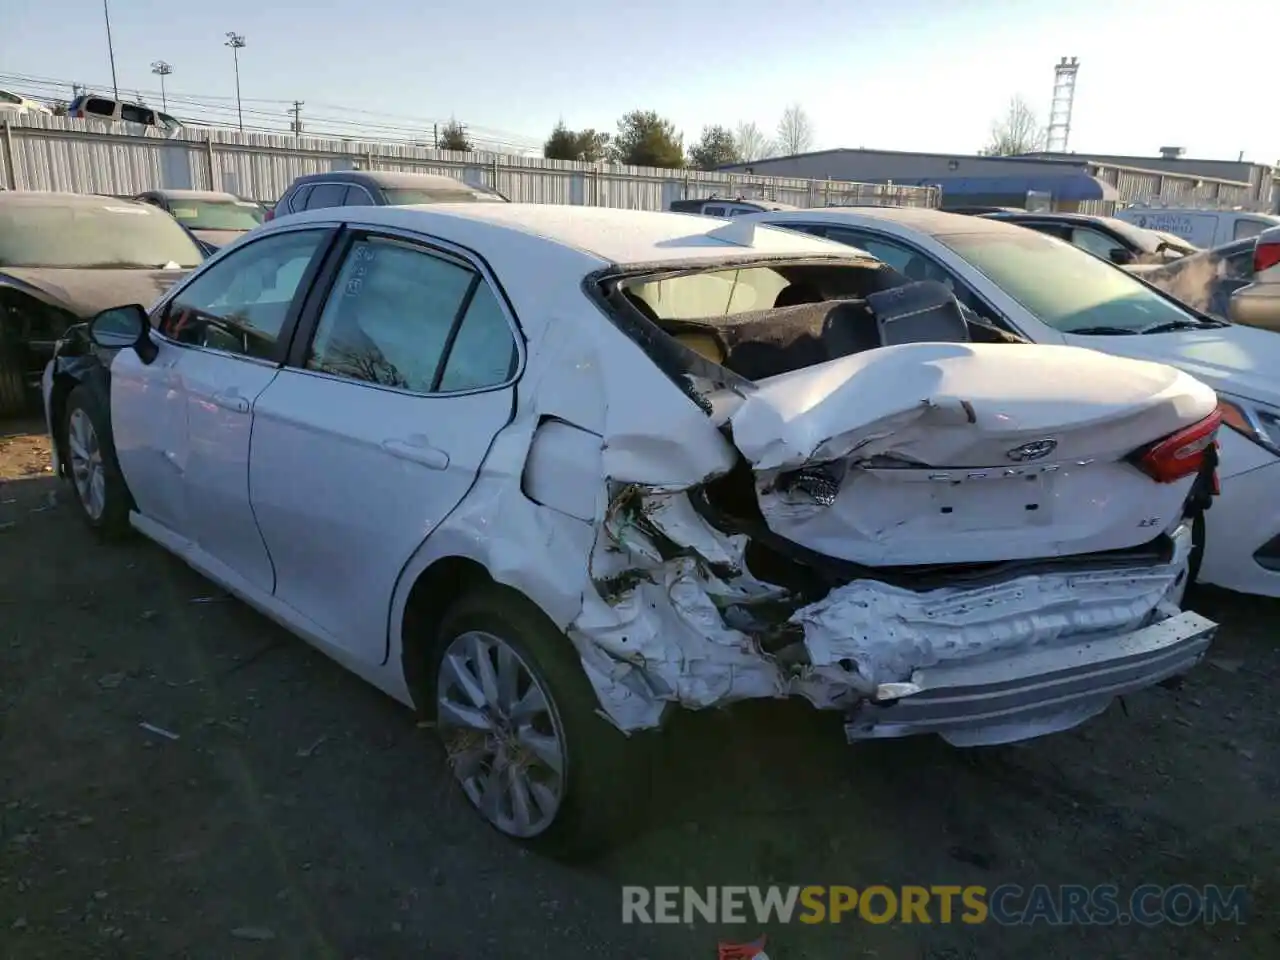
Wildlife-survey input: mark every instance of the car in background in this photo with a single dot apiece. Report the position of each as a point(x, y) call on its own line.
point(373, 188)
point(1206, 280)
point(511, 465)
point(1050, 291)
point(88, 106)
point(14, 103)
point(214, 218)
point(1258, 304)
point(714, 206)
point(63, 257)
point(1204, 228)
point(1121, 243)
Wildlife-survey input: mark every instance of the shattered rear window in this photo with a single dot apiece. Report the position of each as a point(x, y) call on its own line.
point(718, 294)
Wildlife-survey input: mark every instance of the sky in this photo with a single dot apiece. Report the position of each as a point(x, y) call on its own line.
point(918, 75)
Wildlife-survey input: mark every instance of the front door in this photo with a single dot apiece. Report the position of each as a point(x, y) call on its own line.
point(377, 429)
point(227, 330)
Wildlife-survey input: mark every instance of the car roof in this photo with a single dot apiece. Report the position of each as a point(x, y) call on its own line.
point(924, 219)
point(55, 198)
point(391, 178)
point(192, 195)
point(603, 235)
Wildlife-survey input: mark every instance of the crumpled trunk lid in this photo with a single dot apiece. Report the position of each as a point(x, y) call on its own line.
point(929, 453)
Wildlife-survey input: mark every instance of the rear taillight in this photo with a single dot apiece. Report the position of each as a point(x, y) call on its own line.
point(1179, 455)
point(1265, 255)
point(270, 215)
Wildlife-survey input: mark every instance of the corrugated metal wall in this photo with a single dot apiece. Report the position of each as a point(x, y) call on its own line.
point(1168, 189)
point(90, 156)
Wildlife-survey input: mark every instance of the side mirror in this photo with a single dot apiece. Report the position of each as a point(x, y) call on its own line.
point(1121, 257)
point(121, 327)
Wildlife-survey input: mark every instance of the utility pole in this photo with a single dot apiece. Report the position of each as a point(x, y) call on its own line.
point(163, 69)
point(236, 42)
point(297, 118)
point(435, 136)
point(111, 50)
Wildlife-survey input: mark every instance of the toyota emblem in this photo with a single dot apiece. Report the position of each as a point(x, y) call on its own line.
point(1033, 450)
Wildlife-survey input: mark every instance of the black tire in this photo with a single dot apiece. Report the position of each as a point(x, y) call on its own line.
point(13, 385)
point(605, 769)
point(112, 522)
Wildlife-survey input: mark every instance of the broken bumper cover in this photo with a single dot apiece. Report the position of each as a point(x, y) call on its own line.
point(1034, 692)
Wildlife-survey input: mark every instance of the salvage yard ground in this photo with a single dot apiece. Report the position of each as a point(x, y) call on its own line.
point(281, 808)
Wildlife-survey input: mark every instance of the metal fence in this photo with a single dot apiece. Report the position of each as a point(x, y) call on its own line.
point(92, 156)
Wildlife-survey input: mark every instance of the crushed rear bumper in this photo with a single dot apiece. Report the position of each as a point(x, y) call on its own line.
point(1035, 692)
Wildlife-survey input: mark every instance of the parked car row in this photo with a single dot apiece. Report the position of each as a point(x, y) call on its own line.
point(546, 473)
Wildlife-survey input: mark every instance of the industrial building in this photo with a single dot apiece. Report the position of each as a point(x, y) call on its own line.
point(1059, 181)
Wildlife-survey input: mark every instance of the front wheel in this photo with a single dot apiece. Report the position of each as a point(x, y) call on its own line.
point(100, 489)
point(520, 726)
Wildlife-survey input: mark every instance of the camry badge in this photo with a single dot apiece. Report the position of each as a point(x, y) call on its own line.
point(1033, 450)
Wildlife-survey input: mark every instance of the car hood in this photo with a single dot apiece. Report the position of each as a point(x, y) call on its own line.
point(1241, 360)
point(219, 238)
point(86, 292)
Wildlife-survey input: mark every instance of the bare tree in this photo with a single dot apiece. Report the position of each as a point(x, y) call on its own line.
point(795, 130)
point(1019, 131)
point(750, 142)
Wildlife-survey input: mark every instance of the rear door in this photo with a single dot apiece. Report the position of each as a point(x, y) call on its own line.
point(401, 376)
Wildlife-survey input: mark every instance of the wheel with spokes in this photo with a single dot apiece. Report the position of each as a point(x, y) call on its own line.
point(521, 730)
point(95, 474)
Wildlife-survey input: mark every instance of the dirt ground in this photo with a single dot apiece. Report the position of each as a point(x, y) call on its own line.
point(293, 811)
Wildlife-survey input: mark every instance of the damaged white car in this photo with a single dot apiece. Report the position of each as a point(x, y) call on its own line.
point(547, 472)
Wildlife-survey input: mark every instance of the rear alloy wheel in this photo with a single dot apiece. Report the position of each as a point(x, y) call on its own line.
point(100, 490)
point(522, 731)
point(505, 739)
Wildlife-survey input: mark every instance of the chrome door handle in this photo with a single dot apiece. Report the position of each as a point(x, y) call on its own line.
point(417, 451)
point(231, 401)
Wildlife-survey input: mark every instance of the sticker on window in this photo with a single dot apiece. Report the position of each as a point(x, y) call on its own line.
point(141, 211)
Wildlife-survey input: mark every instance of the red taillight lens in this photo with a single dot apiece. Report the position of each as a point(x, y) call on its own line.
point(270, 215)
point(1180, 454)
point(1265, 256)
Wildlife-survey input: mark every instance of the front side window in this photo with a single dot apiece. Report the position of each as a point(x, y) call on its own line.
point(130, 113)
point(78, 233)
point(883, 250)
point(1249, 228)
point(390, 319)
point(1066, 288)
point(1099, 244)
point(240, 303)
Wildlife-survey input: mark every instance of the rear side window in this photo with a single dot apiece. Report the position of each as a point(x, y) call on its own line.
point(327, 195)
point(103, 108)
point(299, 199)
point(713, 211)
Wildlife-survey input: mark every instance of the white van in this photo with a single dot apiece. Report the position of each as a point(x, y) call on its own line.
point(90, 107)
point(1203, 228)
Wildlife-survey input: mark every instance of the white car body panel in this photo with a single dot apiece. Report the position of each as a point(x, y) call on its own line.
point(1235, 360)
point(944, 418)
point(565, 489)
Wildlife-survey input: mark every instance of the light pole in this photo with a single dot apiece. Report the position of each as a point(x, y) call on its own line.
point(163, 69)
point(111, 50)
point(236, 42)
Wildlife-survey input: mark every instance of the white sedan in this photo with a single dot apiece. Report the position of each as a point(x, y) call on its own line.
point(545, 472)
point(1051, 292)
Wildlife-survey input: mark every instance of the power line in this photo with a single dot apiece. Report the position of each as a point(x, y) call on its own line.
point(217, 109)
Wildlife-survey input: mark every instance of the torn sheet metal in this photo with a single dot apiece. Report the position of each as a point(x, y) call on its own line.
point(966, 405)
point(866, 633)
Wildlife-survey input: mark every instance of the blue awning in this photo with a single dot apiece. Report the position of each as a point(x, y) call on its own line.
point(1074, 185)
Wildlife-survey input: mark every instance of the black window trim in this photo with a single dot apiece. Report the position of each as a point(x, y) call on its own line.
point(298, 189)
point(323, 284)
point(284, 340)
